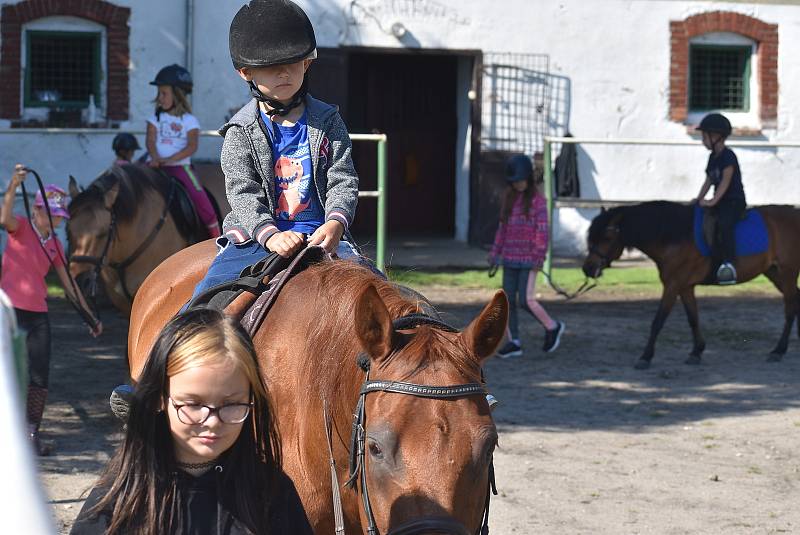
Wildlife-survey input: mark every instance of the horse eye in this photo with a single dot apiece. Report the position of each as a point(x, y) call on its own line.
point(375, 449)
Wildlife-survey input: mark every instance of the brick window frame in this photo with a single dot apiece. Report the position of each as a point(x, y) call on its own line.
point(114, 18)
point(766, 37)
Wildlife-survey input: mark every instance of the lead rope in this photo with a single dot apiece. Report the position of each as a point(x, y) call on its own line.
point(84, 314)
point(337, 496)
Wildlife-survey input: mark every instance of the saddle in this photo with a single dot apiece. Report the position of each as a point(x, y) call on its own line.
point(185, 216)
point(251, 296)
point(751, 232)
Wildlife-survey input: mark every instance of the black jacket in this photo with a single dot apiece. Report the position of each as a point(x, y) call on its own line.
point(204, 514)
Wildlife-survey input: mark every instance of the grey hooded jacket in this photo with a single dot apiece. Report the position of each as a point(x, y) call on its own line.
point(250, 178)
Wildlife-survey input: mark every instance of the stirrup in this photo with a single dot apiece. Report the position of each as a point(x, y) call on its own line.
point(726, 274)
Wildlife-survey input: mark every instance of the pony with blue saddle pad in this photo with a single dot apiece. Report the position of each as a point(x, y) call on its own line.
point(671, 234)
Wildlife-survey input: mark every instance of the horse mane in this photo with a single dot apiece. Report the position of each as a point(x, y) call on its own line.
point(134, 180)
point(649, 222)
point(332, 333)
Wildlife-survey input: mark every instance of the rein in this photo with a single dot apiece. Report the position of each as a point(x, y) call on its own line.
point(120, 267)
point(587, 285)
point(357, 469)
point(85, 316)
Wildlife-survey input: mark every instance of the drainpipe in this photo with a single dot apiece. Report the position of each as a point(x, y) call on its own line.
point(190, 39)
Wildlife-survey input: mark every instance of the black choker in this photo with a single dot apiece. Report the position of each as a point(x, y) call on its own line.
point(197, 466)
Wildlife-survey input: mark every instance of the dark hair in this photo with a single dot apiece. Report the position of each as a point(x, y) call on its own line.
point(142, 476)
point(511, 195)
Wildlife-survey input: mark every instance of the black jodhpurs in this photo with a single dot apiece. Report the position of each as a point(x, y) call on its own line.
point(37, 327)
point(728, 213)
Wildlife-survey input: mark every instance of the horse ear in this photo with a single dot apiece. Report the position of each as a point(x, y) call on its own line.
point(373, 324)
point(602, 209)
point(73, 187)
point(111, 195)
point(485, 333)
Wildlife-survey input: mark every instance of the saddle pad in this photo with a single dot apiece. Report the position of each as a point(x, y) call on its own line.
point(751, 234)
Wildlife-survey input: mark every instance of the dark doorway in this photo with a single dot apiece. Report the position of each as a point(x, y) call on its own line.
point(412, 99)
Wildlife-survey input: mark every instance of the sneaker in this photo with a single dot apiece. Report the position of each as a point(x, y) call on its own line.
point(726, 274)
point(510, 350)
point(553, 337)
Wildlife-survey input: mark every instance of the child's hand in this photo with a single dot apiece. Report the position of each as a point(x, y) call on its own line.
point(19, 175)
point(285, 243)
point(97, 330)
point(327, 236)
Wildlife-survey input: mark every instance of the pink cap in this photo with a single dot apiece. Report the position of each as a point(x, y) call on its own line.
point(57, 200)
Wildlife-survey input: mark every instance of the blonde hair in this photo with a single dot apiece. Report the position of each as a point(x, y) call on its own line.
point(180, 104)
point(220, 342)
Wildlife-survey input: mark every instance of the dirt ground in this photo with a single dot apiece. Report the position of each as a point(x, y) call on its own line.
point(587, 444)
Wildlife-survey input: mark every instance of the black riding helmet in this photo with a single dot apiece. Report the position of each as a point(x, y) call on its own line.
point(124, 141)
point(715, 123)
point(174, 75)
point(264, 33)
point(518, 167)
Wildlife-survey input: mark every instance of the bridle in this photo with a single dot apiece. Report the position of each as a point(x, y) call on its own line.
point(101, 261)
point(605, 258)
point(357, 470)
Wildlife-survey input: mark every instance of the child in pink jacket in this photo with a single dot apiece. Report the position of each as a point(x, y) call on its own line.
point(520, 245)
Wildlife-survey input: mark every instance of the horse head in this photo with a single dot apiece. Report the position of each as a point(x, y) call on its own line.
point(428, 442)
point(90, 230)
point(604, 242)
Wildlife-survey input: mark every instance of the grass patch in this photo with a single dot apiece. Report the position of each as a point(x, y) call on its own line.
point(470, 278)
point(641, 280)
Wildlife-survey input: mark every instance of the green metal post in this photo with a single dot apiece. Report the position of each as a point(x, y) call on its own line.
point(548, 189)
point(380, 254)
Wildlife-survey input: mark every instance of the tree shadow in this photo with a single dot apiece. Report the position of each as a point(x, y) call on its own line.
point(589, 383)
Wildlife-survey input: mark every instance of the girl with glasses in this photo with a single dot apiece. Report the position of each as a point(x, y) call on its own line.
point(199, 454)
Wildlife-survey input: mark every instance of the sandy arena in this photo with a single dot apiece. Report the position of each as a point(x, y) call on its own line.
point(588, 445)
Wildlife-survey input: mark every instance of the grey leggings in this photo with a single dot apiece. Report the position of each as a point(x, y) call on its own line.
point(520, 286)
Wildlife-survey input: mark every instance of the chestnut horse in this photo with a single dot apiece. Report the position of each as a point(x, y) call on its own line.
point(120, 228)
point(664, 231)
point(427, 460)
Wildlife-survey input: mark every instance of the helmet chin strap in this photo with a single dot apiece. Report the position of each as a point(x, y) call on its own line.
point(278, 107)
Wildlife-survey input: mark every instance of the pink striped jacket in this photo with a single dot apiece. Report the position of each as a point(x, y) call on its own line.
point(522, 241)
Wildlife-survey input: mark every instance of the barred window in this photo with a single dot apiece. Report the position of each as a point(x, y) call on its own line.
point(63, 68)
point(719, 78)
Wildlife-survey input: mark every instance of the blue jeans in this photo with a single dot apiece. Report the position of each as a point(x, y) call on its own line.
point(233, 258)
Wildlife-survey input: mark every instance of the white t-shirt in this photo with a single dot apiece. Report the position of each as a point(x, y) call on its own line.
point(172, 133)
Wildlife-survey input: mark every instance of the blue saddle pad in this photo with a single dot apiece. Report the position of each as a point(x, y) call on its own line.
point(751, 234)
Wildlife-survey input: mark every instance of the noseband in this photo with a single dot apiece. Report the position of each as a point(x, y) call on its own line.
point(99, 261)
point(358, 442)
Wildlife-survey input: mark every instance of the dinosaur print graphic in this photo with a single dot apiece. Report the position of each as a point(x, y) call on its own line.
point(294, 192)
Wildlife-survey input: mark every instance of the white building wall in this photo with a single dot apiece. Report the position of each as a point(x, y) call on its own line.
point(614, 53)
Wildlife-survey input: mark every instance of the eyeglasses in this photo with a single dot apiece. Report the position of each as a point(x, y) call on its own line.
point(192, 414)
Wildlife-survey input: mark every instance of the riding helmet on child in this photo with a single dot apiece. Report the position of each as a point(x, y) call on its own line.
point(57, 201)
point(124, 142)
point(519, 167)
point(715, 123)
point(176, 76)
point(266, 33)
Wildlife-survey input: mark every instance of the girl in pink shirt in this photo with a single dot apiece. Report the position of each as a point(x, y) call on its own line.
point(30, 252)
point(520, 245)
